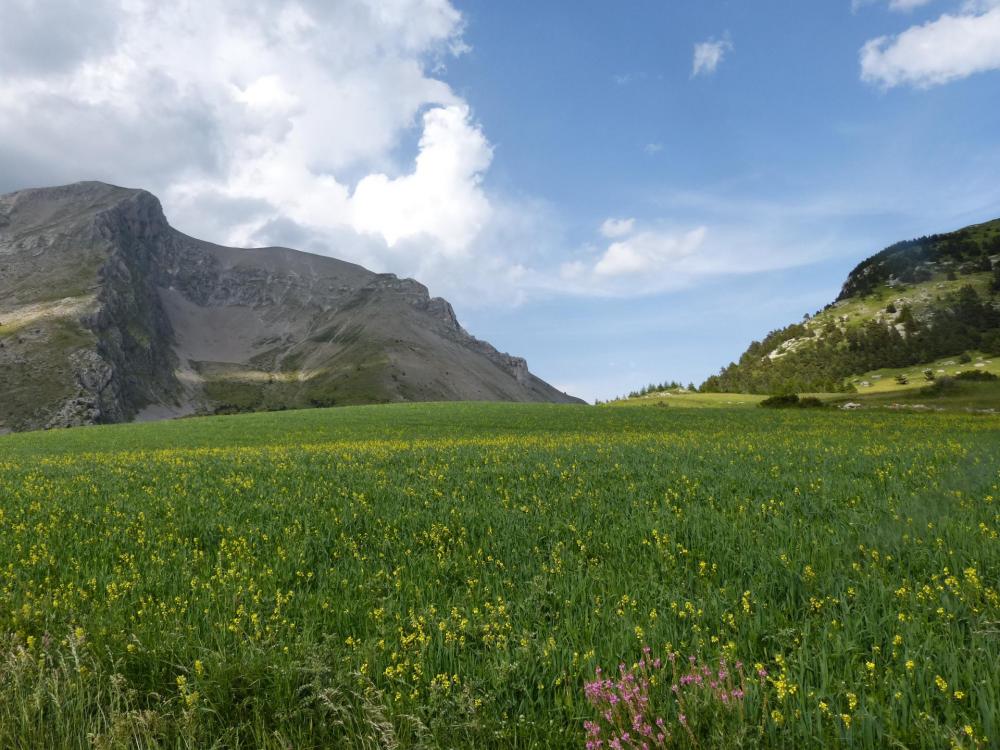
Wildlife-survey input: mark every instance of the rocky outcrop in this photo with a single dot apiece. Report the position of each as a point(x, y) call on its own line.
point(98, 398)
point(133, 331)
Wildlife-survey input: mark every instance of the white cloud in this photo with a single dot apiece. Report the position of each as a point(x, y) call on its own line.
point(617, 227)
point(708, 55)
point(907, 5)
point(725, 236)
point(896, 5)
point(651, 260)
point(441, 197)
point(648, 252)
point(653, 148)
point(937, 52)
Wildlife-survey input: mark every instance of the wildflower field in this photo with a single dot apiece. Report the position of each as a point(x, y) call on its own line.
point(472, 575)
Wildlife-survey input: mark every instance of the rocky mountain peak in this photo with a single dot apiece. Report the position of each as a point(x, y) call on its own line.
point(107, 314)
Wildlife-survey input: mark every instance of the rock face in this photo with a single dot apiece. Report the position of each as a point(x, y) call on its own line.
point(107, 314)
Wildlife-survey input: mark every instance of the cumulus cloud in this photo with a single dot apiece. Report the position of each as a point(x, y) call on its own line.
point(947, 49)
point(708, 55)
point(441, 197)
point(617, 227)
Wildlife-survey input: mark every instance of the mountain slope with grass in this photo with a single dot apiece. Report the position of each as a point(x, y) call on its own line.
point(914, 302)
point(108, 314)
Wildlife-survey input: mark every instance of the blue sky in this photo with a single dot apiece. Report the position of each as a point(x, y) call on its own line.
point(619, 192)
point(784, 141)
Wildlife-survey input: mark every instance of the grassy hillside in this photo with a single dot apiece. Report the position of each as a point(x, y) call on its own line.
point(37, 357)
point(453, 575)
point(886, 388)
point(957, 396)
point(687, 399)
point(887, 379)
point(914, 302)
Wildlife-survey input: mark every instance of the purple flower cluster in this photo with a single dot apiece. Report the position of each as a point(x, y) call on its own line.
point(644, 705)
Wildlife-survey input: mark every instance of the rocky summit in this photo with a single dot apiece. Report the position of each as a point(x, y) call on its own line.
point(108, 314)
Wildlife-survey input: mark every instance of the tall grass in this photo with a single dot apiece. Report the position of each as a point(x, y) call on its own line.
point(454, 575)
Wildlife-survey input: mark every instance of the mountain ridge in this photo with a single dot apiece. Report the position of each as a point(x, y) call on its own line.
point(107, 314)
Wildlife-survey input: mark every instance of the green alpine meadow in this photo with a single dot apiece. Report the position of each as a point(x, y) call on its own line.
point(462, 575)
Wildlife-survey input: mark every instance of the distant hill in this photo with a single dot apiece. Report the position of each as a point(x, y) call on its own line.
point(914, 302)
point(107, 314)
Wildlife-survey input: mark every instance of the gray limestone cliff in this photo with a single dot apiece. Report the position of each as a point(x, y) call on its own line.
point(108, 314)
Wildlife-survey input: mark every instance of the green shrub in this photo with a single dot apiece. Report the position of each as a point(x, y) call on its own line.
point(791, 401)
point(941, 385)
point(976, 376)
point(783, 401)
